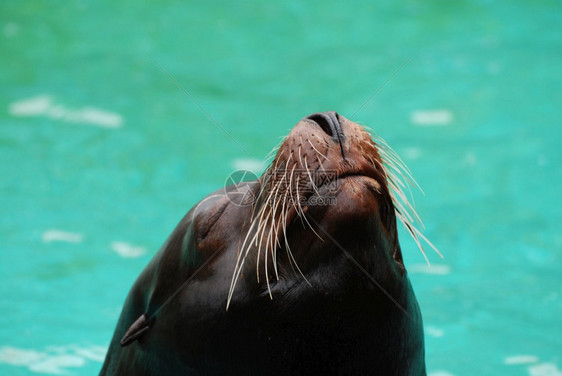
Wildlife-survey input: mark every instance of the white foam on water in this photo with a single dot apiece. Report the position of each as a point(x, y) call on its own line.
point(470, 159)
point(411, 153)
point(56, 364)
point(431, 118)
point(11, 30)
point(19, 357)
point(520, 359)
point(434, 332)
point(127, 250)
point(54, 235)
point(433, 269)
point(44, 105)
point(35, 106)
point(53, 360)
point(542, 160)
point(254, 165)
point(544, 369)
point(95, 353)
point(440, 373)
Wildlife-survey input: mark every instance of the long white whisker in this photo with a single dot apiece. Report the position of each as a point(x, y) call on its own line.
point(263, 223)
point(397, 173)
point(238, 267)
point(302, 215)
point(287, 247)
point(310, 176)
point(311, 144)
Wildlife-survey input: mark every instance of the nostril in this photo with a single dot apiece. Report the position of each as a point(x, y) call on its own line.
point(328, 121)
point(330, 124)
point(321, 120)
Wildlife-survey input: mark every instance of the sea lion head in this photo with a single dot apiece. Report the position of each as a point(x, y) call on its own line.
point(332, 187)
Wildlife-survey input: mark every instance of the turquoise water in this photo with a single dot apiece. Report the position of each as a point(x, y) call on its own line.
point(102, 153)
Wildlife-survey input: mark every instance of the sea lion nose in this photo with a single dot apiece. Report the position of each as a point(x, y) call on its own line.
point(328, 121)
point(330, 124)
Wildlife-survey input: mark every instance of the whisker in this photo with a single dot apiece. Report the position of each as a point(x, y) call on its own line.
point(393, 156)
point(398, 174)
point(303, 216)
point(272, 237)
point(238, 267)
point(310, 176)
point(317, 152)
point(300, 156)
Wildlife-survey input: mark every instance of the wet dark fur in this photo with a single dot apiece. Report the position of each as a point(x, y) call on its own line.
point(354, 314)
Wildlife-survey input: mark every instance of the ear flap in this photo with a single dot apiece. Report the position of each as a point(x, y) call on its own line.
point(136, 330)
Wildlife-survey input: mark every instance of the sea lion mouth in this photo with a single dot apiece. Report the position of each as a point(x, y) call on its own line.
point(321, 153)
point(371, 174)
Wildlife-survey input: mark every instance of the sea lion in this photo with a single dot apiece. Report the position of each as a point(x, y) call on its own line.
point(305, 278)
